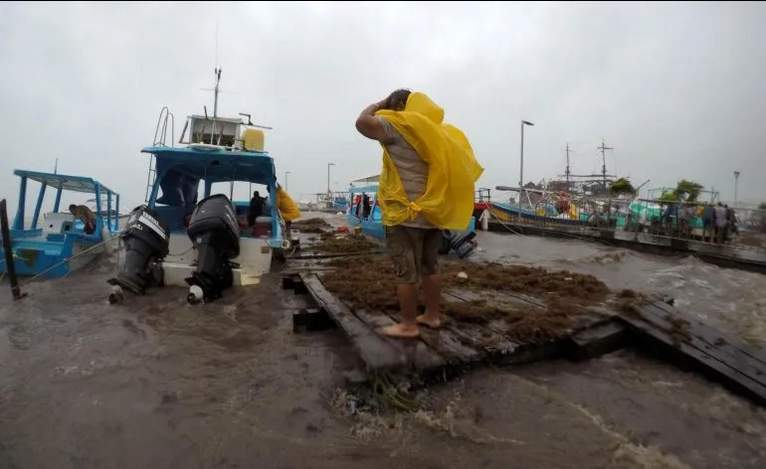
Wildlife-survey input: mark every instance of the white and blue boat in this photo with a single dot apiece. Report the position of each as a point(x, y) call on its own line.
point(213, 154)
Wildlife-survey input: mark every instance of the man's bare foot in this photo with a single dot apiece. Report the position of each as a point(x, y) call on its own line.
point(434, 321)
point(400, 331)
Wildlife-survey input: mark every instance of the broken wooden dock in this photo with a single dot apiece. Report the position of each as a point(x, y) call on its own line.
point(653, 325)
point(457, 347)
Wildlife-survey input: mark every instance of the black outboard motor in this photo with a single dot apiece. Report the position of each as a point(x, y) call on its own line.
point(146, 239)
point(214, 231)
point(462, 243)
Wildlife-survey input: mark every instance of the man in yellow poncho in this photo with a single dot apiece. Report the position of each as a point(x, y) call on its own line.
point(288, 209)
point(427, 185)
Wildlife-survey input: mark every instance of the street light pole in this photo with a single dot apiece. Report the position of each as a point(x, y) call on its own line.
point(521, 168)
point(736, 181)
point(329, 193)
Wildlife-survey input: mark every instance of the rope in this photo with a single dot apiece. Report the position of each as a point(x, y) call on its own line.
point(60, 263)
point(181, 254)
point(503, 224)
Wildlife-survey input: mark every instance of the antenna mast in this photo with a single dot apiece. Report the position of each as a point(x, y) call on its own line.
point(568, 172)
point(217, 72)
point(603, 148)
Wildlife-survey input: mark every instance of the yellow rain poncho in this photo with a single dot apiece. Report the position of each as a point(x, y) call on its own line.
point(447, 202)
point(286, 206)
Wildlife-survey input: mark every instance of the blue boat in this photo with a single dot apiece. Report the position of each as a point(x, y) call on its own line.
point(365, 212)
point(55, 243)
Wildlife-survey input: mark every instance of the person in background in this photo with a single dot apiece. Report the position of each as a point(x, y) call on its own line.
point(708, 222)
point(720, 223)
point(731, 222)
point(85, 215)
point(358, 206)
point(255, 209)
point(366, 206)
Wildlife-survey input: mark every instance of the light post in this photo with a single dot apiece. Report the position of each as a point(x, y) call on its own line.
point(736, 181)
point(521, 169)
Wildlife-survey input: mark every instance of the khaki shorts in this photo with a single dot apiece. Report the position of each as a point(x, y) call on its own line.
point(414, 251)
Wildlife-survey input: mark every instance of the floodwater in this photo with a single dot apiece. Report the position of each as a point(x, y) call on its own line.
point(158, 383)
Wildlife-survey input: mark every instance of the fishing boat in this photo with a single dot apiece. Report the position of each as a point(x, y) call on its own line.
point(55, 242)
point(540, 205)
point(213, 154)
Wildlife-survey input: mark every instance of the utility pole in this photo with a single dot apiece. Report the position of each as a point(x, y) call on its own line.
point(736, 181)
point(603, 149)
point(568, 172)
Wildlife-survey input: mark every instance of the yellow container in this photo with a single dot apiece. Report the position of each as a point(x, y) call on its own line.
point(253, 140)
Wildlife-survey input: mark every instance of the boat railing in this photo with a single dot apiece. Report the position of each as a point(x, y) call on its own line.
point(675, 220)
point(161, 130)
point(150, 177)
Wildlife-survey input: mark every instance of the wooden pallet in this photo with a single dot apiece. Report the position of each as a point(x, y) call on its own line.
point(449, 349)
point(656, 326)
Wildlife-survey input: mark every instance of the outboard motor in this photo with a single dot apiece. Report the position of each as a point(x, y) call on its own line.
point(461, 242)
point(146, 239)
point(214, 231)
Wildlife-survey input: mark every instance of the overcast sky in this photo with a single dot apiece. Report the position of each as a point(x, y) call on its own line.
point(677, 89)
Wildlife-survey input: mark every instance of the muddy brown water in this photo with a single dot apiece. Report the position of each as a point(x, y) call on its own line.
point(158, 383)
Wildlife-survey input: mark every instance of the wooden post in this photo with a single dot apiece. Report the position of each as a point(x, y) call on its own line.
point(10, 268)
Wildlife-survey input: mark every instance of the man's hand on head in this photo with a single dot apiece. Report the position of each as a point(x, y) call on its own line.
point(369, 125)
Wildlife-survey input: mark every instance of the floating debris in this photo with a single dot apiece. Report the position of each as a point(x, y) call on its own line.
point(348, 243)
point(312, 225)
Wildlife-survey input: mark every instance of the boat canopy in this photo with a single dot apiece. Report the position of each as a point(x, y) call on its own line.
point(369, 179)
point(358, 190)
point(65, 182)
point(215, 164)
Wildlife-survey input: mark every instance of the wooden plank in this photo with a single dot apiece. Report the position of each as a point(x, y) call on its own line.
point(707, 334)
point(731, 366)
point(598, 339)
point(442, 341)
point(705, 338)
point(320, 255)
point(420, 353)
point(311, 319)
point(376, 351)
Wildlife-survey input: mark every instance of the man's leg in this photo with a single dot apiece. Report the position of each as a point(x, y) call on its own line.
point(432, 293)
point(400, 247)
point(431, 282)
